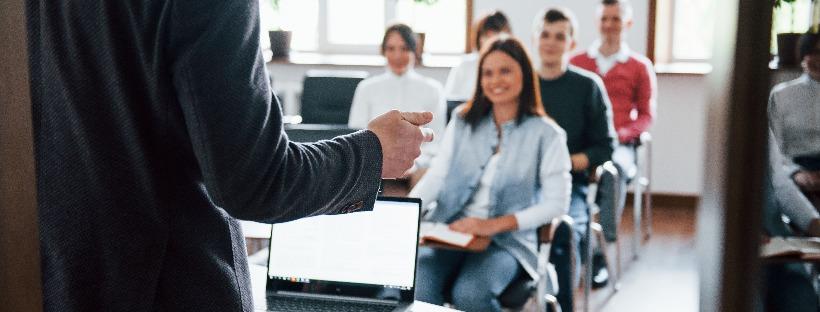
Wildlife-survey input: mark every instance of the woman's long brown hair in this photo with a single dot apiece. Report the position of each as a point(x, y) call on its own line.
point(529, 101)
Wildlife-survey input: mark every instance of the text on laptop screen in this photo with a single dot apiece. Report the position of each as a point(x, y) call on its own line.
point(376, 247)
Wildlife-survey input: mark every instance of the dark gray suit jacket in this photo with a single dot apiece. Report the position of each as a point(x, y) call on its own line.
point(154, 129)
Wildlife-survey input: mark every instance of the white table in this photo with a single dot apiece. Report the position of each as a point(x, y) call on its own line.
point(258, 281)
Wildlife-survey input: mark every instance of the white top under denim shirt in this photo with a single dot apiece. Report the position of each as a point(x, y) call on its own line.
point(531, 182)
point(409, 92)
point(479, 206)
point(794, 117)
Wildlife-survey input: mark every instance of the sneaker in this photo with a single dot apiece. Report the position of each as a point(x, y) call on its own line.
point(600, 274)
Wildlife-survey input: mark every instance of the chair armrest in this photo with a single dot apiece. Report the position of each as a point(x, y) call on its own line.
point(645, 138)
point(546, 232)
point(608, 166)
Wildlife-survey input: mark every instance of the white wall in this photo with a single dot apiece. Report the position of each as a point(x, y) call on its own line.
point(678, 131)
point(678, 134)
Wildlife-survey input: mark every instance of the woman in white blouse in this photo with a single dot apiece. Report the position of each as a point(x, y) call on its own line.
point(461, 80)
point(400, 87)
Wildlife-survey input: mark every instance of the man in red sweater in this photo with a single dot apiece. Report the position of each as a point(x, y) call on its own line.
point(628, 76)
point(630, 81)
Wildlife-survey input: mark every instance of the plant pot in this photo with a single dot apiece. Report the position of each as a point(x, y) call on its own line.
point(787, 50)
point(280, 43)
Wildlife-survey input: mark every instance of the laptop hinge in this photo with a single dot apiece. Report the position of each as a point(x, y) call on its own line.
point(334, 297)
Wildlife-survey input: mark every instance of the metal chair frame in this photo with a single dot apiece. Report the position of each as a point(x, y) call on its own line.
point(642, 199)
point(594, 228)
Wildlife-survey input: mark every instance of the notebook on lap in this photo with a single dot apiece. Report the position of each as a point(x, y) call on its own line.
point(364, 261)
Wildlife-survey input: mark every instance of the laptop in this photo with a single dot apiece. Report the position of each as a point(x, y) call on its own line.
point(362, 261)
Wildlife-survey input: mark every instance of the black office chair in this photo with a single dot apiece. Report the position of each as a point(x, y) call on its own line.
point(554, 290)
point(328, 94)
point(451, 105)
point(595, 231)
point(562, 256)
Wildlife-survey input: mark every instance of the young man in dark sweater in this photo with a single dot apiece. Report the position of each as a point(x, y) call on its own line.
point(578, 102)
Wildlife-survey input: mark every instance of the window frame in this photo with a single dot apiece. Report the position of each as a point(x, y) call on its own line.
point(324, 46)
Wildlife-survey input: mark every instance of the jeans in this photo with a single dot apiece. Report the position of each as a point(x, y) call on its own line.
point(580, 217)
point(473, 280)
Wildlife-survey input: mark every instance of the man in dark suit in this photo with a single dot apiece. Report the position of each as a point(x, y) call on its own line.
point(154, 129)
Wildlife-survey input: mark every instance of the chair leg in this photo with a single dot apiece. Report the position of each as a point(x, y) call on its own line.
point(646, 180)
point(636, 218)
point(588, 265)
point(599, 236)
point(618, 265)
point(545, 277)
point(648, 191)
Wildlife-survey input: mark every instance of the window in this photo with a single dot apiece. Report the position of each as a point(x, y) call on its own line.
point(357, 26)
point(353, 23)
point(684, 28)
point(792, 17)
point(444, 23)
point(684, 31)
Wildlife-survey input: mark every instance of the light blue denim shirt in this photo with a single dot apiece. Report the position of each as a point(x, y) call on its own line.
point(532, 181)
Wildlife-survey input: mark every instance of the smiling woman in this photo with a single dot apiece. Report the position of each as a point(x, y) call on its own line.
point(498, 153)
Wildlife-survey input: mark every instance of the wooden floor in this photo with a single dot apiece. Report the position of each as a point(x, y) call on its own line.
point(664, 275)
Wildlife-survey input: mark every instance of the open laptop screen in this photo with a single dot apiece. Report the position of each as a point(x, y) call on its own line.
point(375, 248)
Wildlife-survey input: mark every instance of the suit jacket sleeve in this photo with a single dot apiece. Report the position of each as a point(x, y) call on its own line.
point(248, 165)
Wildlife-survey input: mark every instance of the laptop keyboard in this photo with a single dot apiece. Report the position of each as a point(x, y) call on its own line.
point(319, 305)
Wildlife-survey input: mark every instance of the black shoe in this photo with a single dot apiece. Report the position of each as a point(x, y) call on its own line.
point(600, 274)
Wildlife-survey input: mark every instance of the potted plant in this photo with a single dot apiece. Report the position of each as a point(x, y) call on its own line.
point(787, 41)
point(279, 39)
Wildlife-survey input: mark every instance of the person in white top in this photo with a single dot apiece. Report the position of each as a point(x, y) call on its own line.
point(794, 117)
point(461, 81)
point(400, 87)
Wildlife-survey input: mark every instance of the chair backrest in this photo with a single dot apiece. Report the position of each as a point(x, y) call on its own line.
point(562, 256)
point(451, 105)
point(327, 95)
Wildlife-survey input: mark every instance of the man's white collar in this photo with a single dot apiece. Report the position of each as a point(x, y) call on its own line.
point(621, 56)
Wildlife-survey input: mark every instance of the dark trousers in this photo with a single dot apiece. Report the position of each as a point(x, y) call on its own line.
point(788, 288)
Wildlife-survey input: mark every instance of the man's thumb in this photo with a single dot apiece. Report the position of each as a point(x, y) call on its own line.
point(417, 118)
